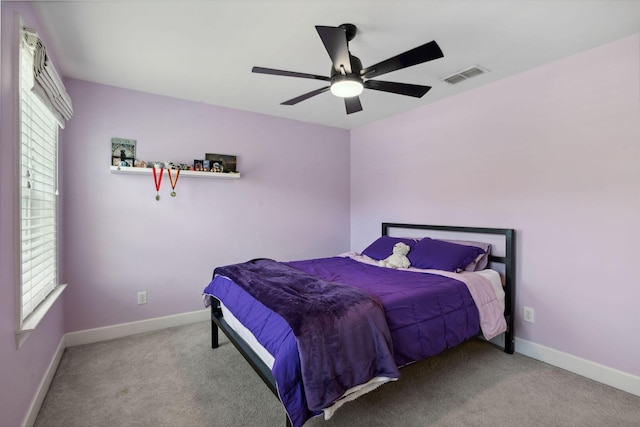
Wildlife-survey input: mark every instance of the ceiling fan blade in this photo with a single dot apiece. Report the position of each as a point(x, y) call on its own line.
point(305, 96)
point(335, 41)
point(352, 104)
point(275, 72)
point(417, 91)
point(426, 52)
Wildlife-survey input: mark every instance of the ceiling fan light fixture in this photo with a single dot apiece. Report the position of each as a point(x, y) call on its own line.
point(346, 86)
point(347, 78)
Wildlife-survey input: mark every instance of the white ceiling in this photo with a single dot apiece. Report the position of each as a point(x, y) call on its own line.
point(203, 50)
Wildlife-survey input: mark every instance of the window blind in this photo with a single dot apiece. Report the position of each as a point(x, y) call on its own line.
point(38, 191)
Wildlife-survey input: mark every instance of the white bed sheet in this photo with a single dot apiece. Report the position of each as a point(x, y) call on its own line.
point(247, 336)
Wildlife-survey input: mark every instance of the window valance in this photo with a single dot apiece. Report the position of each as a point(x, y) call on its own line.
point(47, 83)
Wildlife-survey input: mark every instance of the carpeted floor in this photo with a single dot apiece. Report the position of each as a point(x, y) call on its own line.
point(173, 378)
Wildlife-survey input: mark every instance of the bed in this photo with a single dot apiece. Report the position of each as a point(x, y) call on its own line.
point(323, 332)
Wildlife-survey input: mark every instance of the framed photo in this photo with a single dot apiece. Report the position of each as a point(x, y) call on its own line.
point(222, 162)
point(123, 152)
point(197, 165)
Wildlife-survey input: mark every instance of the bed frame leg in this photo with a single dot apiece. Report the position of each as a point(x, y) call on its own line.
point(214, 335)
point(216, 311)
point(509, 342)
point(509, 339)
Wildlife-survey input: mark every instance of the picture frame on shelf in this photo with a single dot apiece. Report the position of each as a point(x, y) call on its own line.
point(123, 152)
point(224, 163)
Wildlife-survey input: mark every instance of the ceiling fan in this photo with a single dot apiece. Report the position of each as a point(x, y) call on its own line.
point(348, 78)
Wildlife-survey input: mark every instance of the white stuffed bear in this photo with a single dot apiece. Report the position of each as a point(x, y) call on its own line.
point(399, 257)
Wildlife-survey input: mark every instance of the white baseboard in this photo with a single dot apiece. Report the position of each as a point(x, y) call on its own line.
point(43, 387)
point(89, 336)
point(586, 368)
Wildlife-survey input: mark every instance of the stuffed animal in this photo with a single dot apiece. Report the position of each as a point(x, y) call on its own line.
point(399, 257)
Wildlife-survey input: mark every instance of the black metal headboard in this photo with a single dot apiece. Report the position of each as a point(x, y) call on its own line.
point(508, 260)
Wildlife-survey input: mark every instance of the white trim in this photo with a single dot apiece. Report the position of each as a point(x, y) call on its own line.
point(44, 385)
point(89, 336)
point(15, 84)
point(32, 321)
point(586, 368)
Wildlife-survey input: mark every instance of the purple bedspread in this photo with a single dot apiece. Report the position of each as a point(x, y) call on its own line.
point(425, 313)
point(341, 331)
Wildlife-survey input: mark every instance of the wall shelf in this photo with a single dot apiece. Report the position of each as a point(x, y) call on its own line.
point(183, 173)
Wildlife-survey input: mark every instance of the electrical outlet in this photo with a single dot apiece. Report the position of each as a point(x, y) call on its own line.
point(529, 315)
point(142, 297)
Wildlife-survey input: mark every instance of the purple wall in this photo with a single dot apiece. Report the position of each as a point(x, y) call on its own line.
point(291, 202)
point(21, 370)
point(554, 153)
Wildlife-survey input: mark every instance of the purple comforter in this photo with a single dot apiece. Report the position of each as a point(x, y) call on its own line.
point(341, 331)
point(425, 313)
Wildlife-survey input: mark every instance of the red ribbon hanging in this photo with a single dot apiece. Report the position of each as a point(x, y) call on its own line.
point(157, 181)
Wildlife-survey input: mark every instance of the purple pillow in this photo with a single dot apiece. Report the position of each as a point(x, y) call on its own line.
point(441, 255)
point(382, 247)
point(482, 260)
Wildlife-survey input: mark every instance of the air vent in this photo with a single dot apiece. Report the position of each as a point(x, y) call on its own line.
point(466, 74)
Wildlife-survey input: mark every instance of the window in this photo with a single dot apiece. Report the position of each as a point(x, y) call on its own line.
point(38, 199)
